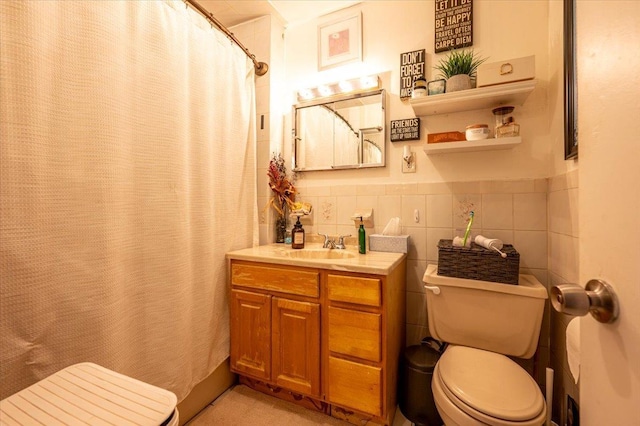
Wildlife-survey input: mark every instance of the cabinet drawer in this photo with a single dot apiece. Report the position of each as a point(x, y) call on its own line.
point(363, 291)
point(355, 333)
point(292, 281)
point(355, 385)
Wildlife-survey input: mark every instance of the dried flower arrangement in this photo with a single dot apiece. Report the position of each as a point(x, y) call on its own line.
point(284, 192)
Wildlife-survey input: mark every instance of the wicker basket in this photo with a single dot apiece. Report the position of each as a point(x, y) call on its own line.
point(478, 263)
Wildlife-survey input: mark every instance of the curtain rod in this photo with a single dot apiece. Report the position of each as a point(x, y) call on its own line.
point(261, 67)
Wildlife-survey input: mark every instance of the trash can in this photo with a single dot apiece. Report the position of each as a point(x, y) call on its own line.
point(416, 371)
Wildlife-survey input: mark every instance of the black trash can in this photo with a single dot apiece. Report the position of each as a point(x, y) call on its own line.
point(414, 390)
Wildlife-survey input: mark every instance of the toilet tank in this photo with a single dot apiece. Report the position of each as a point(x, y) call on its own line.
point(497, 317)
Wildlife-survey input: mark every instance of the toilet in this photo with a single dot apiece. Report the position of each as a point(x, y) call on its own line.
point(474, 381)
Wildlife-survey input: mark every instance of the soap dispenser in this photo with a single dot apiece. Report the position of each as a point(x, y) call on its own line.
point(362, 238)
point(297, 235)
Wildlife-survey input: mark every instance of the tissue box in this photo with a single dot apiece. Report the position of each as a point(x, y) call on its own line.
point(478, 263)
point(389, 243)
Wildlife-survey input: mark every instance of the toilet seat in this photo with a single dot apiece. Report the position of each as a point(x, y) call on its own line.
point(88, 393)
point(488, 387)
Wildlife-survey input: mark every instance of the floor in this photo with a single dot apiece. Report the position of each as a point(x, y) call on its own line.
point(242, 406)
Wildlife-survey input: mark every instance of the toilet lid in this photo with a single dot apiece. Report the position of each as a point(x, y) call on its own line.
point(490, 383)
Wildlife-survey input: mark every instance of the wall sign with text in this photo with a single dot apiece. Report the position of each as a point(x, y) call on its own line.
point(454, 24)
point(411, 67)
point(407, 129)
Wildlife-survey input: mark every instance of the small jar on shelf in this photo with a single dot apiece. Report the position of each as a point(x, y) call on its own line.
point(505, 125)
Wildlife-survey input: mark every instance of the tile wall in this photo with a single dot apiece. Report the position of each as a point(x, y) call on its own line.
point(563, 268)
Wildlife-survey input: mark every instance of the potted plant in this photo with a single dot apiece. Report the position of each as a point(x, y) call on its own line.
point(458, 68)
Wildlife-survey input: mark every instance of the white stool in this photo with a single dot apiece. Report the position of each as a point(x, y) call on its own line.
point(88, 394)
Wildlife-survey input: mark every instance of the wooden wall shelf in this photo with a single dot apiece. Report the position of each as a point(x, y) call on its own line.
point(472, 99)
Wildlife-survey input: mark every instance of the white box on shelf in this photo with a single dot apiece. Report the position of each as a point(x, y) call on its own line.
point(389, 243)
point(508, 71)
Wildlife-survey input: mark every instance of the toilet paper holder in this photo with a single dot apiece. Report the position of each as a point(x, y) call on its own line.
point(597, 298)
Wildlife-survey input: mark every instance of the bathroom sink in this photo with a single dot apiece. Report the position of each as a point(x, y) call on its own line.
point(319, 254)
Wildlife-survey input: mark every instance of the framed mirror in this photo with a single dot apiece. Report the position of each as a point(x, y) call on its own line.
point(340, 133)
point(570, 83)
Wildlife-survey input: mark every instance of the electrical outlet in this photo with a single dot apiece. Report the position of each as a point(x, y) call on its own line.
point(573, 413)
point(410, 165)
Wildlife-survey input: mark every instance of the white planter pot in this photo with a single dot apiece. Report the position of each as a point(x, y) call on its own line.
point(458, 82)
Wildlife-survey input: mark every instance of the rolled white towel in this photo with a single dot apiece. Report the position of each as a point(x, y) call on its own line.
point(491, 244)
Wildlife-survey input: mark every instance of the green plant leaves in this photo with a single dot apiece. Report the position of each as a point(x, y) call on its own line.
point(459, 62)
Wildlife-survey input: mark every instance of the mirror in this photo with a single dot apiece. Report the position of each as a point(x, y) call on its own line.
point(340, 133)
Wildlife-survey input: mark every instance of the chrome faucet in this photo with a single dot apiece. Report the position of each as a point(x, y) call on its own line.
point(330, 243)
point(340, 243)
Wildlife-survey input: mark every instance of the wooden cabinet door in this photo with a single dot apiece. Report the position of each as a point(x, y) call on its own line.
point(355, 333)
point(251, 334)
point(355, 385)
point(296, 345)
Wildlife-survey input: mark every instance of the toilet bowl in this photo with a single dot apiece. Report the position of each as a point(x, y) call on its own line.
point(476, 387)
point(475, 382)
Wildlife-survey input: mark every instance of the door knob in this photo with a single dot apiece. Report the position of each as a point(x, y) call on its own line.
point(597, 298)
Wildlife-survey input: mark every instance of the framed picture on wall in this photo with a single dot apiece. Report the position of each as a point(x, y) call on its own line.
point(570, 83)
point(340, 41)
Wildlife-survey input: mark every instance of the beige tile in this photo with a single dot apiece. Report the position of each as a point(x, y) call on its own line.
point(415, 272)
point(466, 187)
point(505, 235)
point(563, 181)
point(540, 185)
point(532, 246)
point(416, 308)
point(433, 236)
point(371, 190)
point(326, 229)
point(497, 211)
point(346, 230)
point(263, 155)
point(345, 207)
point(389, 206)
point(463, 204)
point(318, 191)
point(401, 189)
point(564, 257)
point(530, 212)
point(263, 234)
point(411, 203)
point(563, 212)
point(439, 211)
point(417, 243)
point(434, 188)
point(367, 202)
point(343, 190)
point(508, 186)
point(262, 100)
point(326, 213)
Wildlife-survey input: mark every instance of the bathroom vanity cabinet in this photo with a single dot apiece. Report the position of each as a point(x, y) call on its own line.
point(275, 325)
point(320, 333)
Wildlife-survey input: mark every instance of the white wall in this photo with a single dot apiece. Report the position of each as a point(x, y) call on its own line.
point(502, 30)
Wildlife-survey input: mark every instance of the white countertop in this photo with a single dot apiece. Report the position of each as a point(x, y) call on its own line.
point(374, 262)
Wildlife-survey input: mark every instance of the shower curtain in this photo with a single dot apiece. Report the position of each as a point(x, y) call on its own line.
point(127, 170)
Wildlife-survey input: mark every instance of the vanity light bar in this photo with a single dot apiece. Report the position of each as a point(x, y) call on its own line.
point(345, 86)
